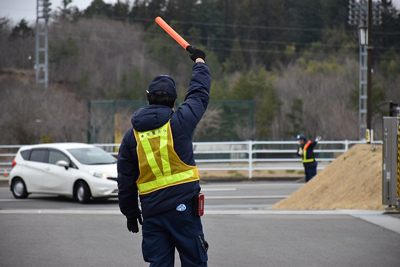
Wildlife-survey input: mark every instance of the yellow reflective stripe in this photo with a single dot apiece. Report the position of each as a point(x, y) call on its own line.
point(166, 181)
point(164, 155)
point(150, 158)
point(304, 159)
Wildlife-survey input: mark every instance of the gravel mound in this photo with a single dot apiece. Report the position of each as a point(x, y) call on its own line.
point(352, 181)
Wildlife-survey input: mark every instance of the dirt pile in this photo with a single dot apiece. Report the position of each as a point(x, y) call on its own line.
point(352, 181)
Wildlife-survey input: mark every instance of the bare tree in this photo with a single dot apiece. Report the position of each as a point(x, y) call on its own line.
point(325, 99)
point(33, 114)
point(210, 121)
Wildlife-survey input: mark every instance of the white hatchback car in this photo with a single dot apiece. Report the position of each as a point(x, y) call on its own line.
point(76, 170)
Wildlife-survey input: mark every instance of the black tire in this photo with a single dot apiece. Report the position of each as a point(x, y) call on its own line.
point(82, 192)
point(18, 188)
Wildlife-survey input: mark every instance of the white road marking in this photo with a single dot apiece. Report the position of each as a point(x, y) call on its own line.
point(217, 189)
point(245, 197)
point(252, 185)
point(272, 212)
point(238, 206)
point(14, 200)
point(50, 211)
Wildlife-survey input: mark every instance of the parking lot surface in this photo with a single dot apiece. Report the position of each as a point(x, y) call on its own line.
point(241, 231)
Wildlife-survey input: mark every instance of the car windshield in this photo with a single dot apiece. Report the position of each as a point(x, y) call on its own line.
point(92, 156)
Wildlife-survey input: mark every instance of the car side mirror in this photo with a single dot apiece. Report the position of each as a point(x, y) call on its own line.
point(63, 163)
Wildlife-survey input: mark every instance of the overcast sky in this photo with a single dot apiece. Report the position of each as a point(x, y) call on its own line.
point(26, 9)
point(19, 9)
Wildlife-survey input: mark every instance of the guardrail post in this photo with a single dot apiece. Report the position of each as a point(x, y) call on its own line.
point(250, 144)
point(346, 145)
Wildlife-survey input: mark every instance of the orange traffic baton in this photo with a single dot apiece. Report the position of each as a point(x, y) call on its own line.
point(307, 145)
point(174, 35)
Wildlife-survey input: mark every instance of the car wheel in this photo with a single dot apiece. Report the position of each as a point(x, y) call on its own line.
point(82, 192)
point(18, 188)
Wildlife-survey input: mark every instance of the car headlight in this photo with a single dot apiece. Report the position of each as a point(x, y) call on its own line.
point(101, 175)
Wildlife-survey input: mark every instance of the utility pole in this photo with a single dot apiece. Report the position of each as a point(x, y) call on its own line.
point(364, 14)
point(369, 78)
point(42, 42)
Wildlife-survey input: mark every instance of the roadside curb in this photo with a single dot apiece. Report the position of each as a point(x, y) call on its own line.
point(246, 179)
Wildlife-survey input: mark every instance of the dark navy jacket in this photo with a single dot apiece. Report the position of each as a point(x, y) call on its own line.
point(310, 154)
point(183, 123)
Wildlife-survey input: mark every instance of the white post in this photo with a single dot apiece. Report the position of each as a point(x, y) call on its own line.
point(250, 144)
point(372, 136)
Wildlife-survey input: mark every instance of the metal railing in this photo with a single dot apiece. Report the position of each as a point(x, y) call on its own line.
point(244, 155)
point(264, 155)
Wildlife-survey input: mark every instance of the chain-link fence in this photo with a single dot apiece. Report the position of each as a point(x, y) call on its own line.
point(223, 121)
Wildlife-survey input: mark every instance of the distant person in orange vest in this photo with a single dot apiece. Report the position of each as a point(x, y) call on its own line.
point(306, 152)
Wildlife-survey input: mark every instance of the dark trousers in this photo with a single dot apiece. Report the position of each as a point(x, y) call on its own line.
point(174, 229)
point(310, 170)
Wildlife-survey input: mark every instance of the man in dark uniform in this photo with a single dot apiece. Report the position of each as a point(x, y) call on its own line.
point(306, 152)
point(156, 159)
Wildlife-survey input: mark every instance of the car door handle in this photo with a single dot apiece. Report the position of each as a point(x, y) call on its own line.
point(47, 169)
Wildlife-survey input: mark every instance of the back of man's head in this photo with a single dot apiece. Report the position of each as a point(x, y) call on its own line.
point(162, 91)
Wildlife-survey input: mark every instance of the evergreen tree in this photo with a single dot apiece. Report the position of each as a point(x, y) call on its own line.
point(121, 10)
point(66, 11)
point(257, 86)
point(22, 29)
point(236, 61)
point(99, 8)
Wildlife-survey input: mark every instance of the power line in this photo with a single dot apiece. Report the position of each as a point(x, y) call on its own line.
point(248, 50)
point(231, 40)
point(244, 26)
point(212, 24)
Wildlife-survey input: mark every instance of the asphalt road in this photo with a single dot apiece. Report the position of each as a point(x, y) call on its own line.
point(53, 231)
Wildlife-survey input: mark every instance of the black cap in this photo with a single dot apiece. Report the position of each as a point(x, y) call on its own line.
point(300, 136)
point(162, 83)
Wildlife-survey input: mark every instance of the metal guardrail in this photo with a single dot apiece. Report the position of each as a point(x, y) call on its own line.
point(244, 155)
point(264, 155)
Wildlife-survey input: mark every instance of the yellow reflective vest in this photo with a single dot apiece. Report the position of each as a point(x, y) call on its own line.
point(159, 165)
point(304, 158)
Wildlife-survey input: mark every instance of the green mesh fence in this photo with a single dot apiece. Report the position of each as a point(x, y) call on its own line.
point(223, 121)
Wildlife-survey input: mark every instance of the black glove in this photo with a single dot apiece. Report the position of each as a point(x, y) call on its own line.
point(197, 53)
point(132, 224)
